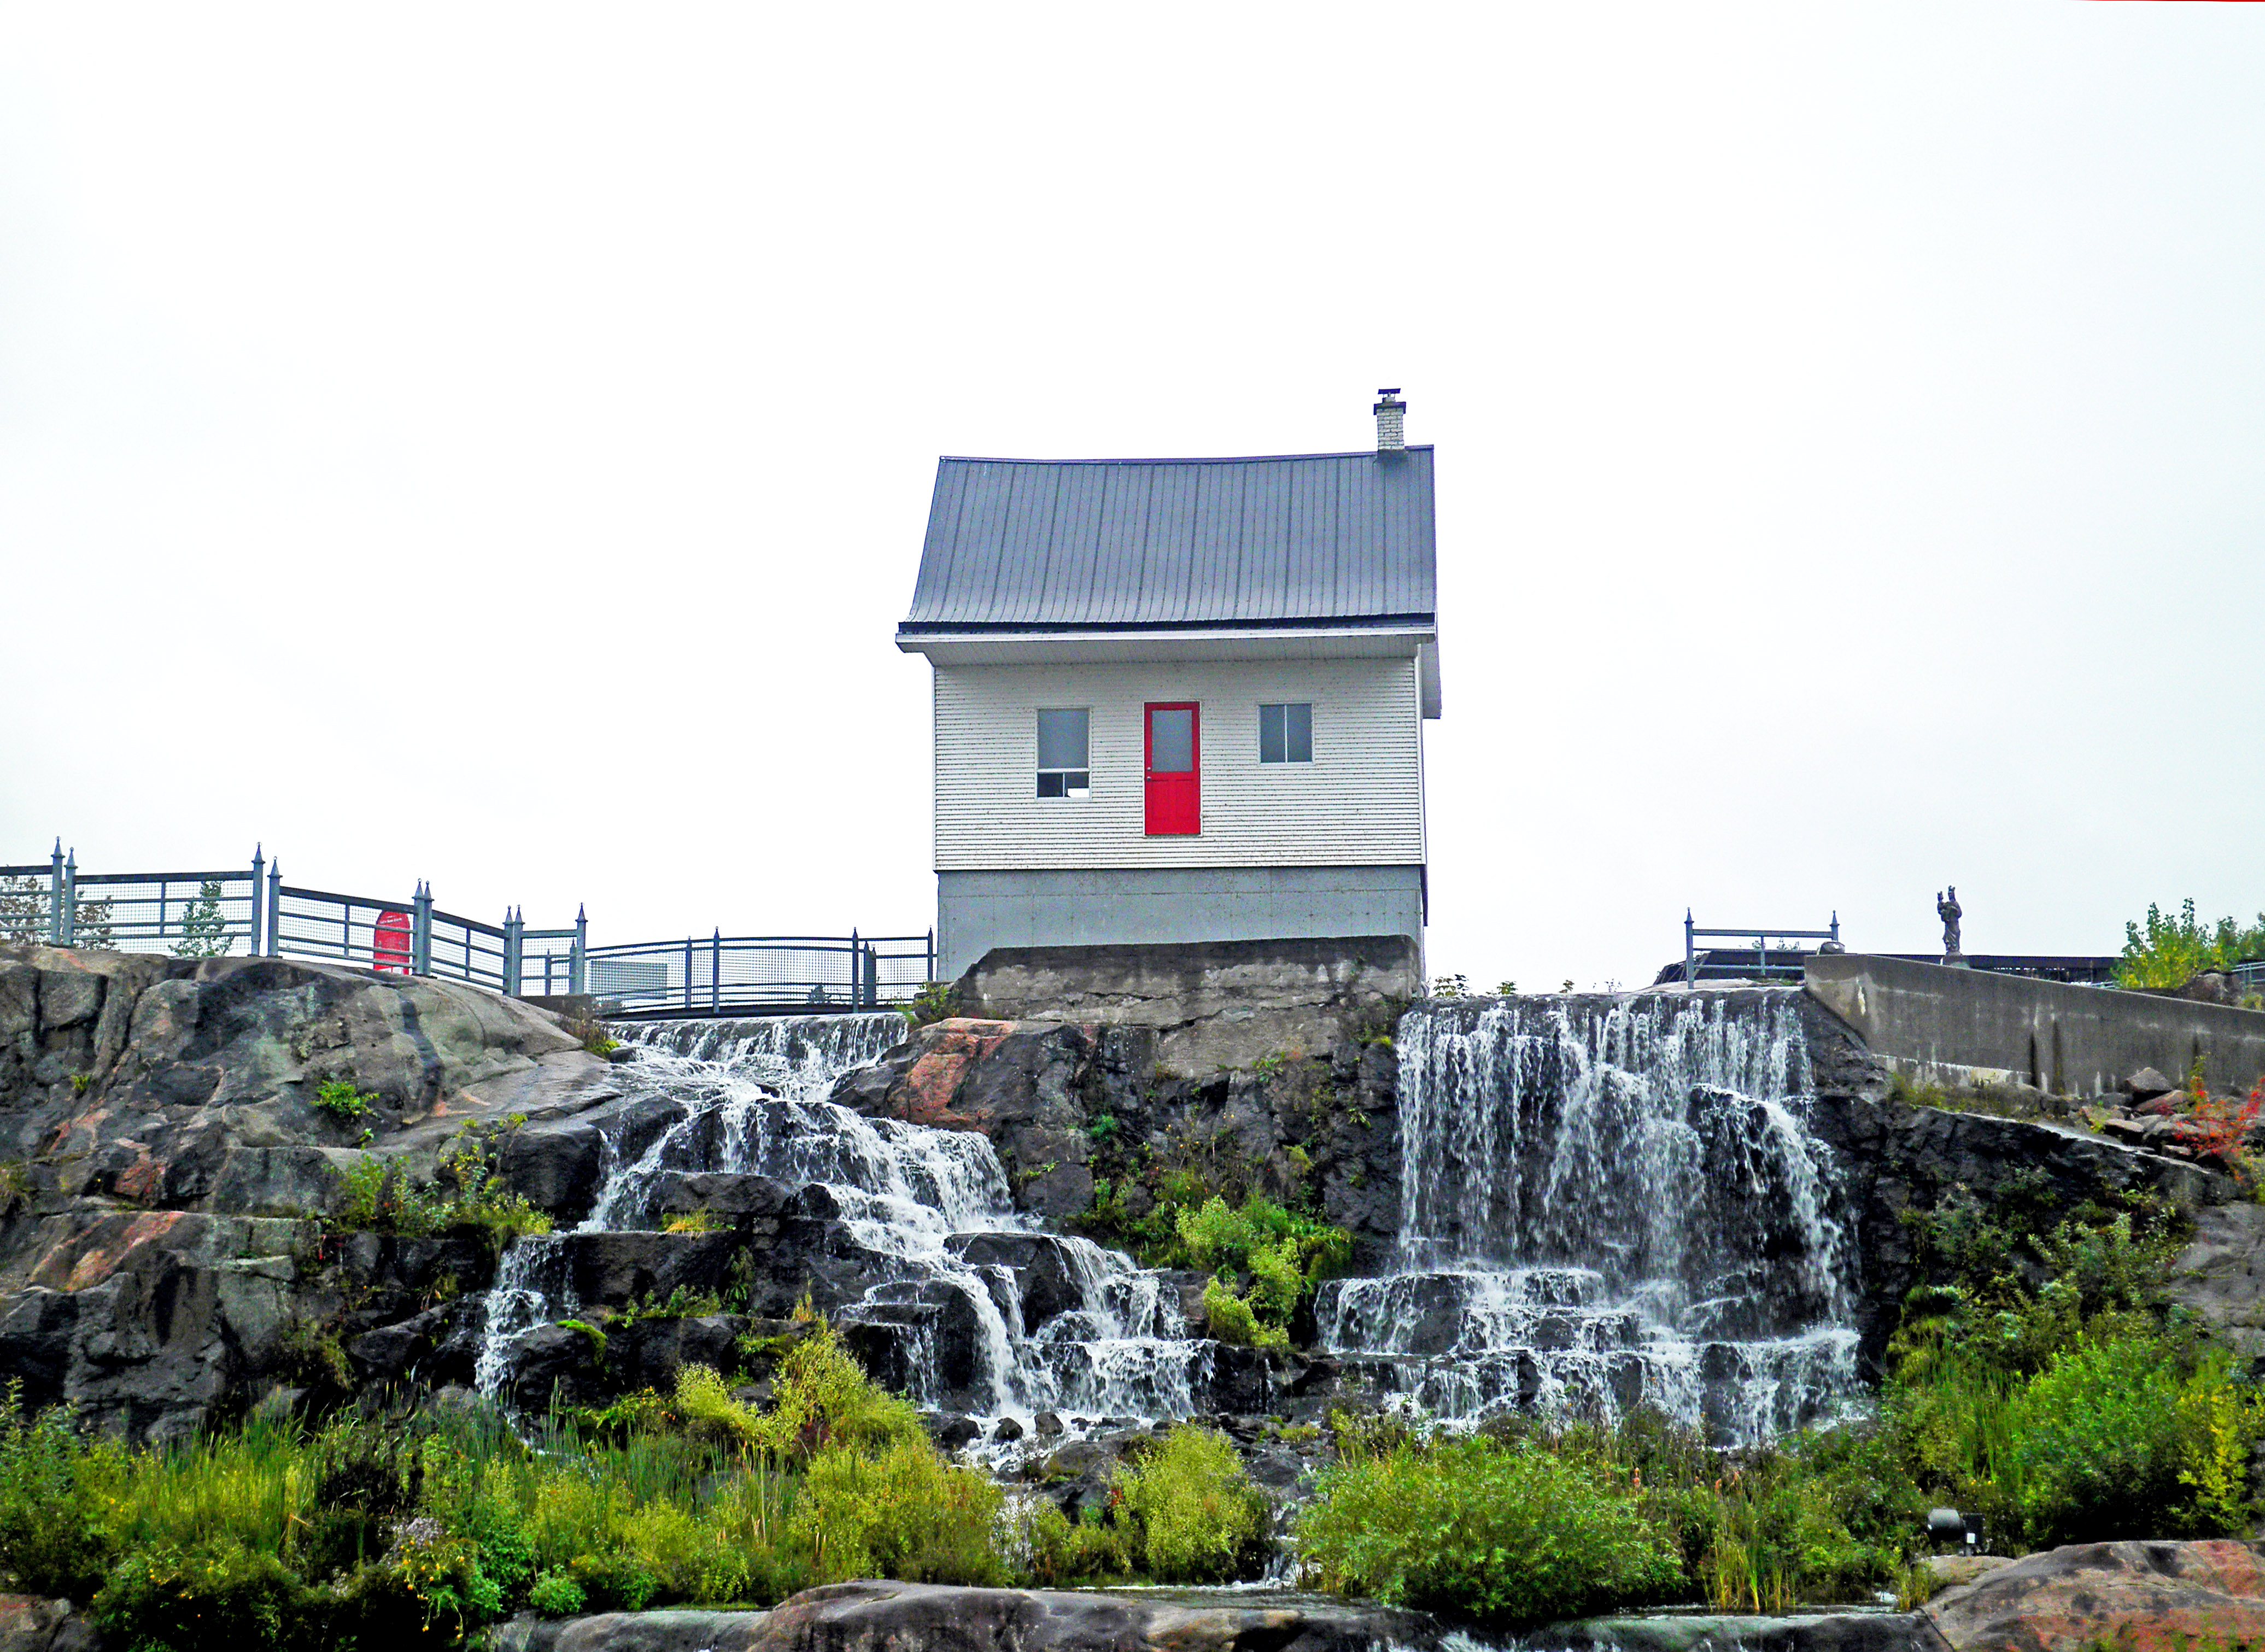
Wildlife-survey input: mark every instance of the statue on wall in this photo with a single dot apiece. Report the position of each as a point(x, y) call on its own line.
point(1947, 908)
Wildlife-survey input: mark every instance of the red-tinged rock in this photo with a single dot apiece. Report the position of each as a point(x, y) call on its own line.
point(2146, 1596)
point(28, 1623)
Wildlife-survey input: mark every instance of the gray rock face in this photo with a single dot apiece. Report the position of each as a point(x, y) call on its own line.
point(2221, 1275)
point(1064, 1105)
point(1896, 1159)
point(30, 1624)
point(159, 1265)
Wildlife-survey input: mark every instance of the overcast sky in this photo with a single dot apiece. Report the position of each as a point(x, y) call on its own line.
point(493, 445)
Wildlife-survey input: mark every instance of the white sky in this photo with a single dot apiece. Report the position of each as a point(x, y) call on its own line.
point(493, 445)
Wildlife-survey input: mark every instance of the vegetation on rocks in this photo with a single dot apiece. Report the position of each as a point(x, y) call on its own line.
point(379, 1194)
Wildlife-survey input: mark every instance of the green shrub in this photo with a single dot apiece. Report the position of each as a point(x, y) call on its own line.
point(217, 1595)
point(932, 1003)
point(1193, 1514)
point(1230, 1317)
point(338, 1098)
point(53, 1535)
point(822, 1397)
point(555, 1595)
point(1063, 1553)
point(1506, 1533)
point(901, 1512)
point(1264, 1259)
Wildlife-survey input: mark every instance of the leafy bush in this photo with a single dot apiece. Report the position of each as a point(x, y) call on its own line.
point(1264, 1259)
point(2172, 951)
point(378, 1196)
point(901, 1512)
point(932, 1003)
point(1193, 1514)
point(54, 1480)
point(1503, 1532)
point(822, 1397)
point(555, 1595)
point(1231, 1319)
point(1060, 1552)
point(341, 1101)
point(217, 1594)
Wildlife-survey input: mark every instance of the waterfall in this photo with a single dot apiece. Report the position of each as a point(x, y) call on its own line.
point(1607, 1202)
point(969, 1306)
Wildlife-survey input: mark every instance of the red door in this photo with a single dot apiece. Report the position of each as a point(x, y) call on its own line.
point(1174, 768)
point(389, 944)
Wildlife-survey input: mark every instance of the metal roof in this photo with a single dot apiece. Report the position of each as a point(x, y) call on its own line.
point(1332, 539)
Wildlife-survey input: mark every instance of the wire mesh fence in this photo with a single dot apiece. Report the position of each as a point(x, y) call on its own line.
point(736, 972)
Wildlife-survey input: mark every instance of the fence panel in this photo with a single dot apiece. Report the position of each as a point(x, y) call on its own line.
point(466, 949)
point(26, 898)
point(190, 915)
point(350, 928)
point(760, 971)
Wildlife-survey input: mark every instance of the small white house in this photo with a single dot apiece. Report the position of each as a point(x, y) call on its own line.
point(1179, 699)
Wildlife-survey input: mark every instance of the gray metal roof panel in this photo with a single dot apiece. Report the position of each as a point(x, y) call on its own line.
point(1316, 538)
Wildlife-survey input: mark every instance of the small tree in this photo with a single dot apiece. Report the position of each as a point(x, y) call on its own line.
point(204, 927)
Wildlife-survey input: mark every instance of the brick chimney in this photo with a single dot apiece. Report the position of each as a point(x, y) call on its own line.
point(1389, 411)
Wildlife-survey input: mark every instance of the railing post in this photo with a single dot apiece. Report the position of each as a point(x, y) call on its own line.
point(687, 971)
point(252, 942)
point(1836, 925)
point(515, 944)
point(857, 986)
point(716, 970)
point(55, 896)
point(275, 909)
point(1689, 952)
point(420, 929)
point(929, 969)
point(70, 899)
point(576, 966)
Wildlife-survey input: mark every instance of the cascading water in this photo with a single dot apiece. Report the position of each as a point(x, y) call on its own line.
point(973, 1307)
point(1607, 1202)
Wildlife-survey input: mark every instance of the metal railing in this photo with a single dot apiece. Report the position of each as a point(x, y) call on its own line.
point(193, 914)
point(254, 913)
point(1718, 964)
point(736, 972)
point(414, 937)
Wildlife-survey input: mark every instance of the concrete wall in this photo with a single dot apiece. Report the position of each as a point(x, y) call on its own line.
point(1224, 1005)
point(977, 910)
point(1952, 1025)
point(1358, 803)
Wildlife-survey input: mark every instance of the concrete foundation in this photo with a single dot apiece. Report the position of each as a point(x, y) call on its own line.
point(1121, 907)
point(1954, 1026)
point(1214, 1005)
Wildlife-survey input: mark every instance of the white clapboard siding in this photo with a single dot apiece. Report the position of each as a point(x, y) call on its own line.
point(1360, 802)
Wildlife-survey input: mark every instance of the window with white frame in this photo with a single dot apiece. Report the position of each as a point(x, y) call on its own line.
point(1064, 771)
point(1286, 733)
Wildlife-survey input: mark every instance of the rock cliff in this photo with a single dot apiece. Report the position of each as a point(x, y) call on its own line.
point(163, 1163)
